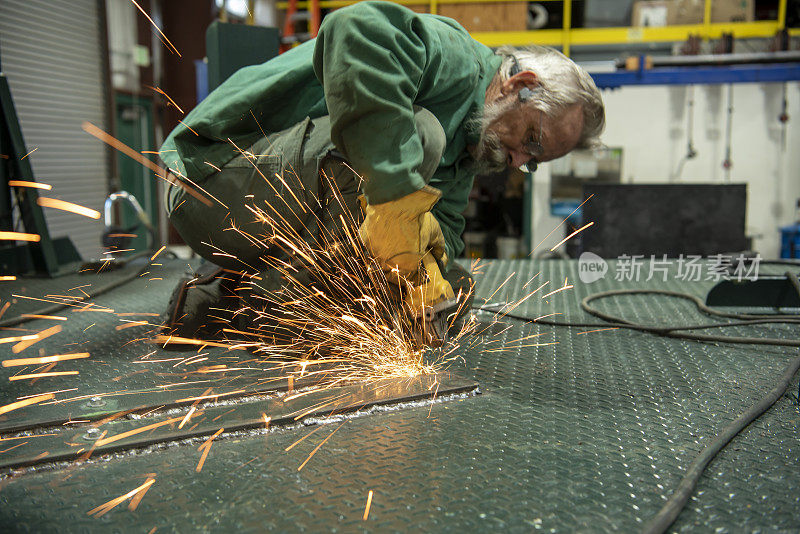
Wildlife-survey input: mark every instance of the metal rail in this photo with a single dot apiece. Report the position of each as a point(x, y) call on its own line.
point(568, 37)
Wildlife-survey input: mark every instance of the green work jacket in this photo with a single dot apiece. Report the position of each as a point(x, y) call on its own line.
point(367, 68)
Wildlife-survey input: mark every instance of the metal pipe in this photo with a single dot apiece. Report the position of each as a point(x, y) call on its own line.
point(791, 56)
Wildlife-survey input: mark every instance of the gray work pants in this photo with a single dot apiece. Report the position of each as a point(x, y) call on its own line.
point(295, 176)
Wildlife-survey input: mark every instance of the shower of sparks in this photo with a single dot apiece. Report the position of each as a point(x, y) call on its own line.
point(336, 320)
point(103, 508)
point(366, 508)
point(19, 236)
point(54, 203)
point(35, 185)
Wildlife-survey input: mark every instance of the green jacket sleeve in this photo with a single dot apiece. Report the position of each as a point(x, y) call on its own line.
point(370, 60)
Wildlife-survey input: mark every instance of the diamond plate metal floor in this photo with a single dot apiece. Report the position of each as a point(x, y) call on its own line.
point(588, 434)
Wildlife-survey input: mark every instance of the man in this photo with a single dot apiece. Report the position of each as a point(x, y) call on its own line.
point(403, 108)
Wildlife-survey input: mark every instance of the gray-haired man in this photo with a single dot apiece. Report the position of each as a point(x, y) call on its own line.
point(401, 107)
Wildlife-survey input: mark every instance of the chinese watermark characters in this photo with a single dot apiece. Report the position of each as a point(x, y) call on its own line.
point(686, 268)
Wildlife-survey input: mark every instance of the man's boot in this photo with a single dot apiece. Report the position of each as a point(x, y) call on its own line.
point(203, 303)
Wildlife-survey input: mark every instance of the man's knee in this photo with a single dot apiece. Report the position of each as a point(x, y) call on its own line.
point(433, 140)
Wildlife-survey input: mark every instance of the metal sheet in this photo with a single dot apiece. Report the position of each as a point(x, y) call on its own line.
point(233, 415)
point(587, 434)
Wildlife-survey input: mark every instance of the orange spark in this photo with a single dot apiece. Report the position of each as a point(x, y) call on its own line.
point(14, 447)
point(157, 28)
point(7, 278)
point(562, 222)
point(290, 447)
point(50, 317)
point(598, 330)
point(67, 206)
point(130, 324)
point(206, 447)
point(159, 251)
point(103, 508)
point(24, 183)
point(573, 234)
point(29, 153)
point(369, 503)
point(318, 446)
point(45, 359)
point(19, 236)
point(562, 288)
point(140, 495)
point(85, 456)
point(22, 345)
point(17, 338)
point(161, 92)
point(188, 128)
point(188, 416)
point(27, 402)
point(110, 140)
point(187, 341)
point(41, 375)
point(211, 396)
point(117, 437)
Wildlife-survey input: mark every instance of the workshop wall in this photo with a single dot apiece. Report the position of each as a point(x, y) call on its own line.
point(650, 123)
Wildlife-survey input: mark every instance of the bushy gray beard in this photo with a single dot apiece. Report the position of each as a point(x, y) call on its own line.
point(490, 156)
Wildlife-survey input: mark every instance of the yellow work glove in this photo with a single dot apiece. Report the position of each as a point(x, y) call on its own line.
point(399, 232)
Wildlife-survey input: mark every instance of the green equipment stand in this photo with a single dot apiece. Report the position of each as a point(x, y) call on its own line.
point(46, 256)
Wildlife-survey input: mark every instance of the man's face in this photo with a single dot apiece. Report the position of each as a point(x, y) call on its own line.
point(515, 133)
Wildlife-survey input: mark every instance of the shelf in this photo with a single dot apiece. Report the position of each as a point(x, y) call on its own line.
point(567, 36)
point(766, 73)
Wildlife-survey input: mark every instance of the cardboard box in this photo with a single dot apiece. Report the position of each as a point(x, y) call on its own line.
point(488, 17)
point(651, 14)
point(733, 11)
point(667, 13)
point(684, 12)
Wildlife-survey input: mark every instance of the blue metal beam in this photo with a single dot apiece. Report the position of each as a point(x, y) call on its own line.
point(777, 72)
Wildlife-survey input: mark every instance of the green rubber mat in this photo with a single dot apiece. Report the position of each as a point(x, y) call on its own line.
point(589, 430)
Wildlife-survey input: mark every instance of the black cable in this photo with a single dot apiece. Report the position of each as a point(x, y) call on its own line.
point(672, 331)
point(14, 321)
point(677, 501)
